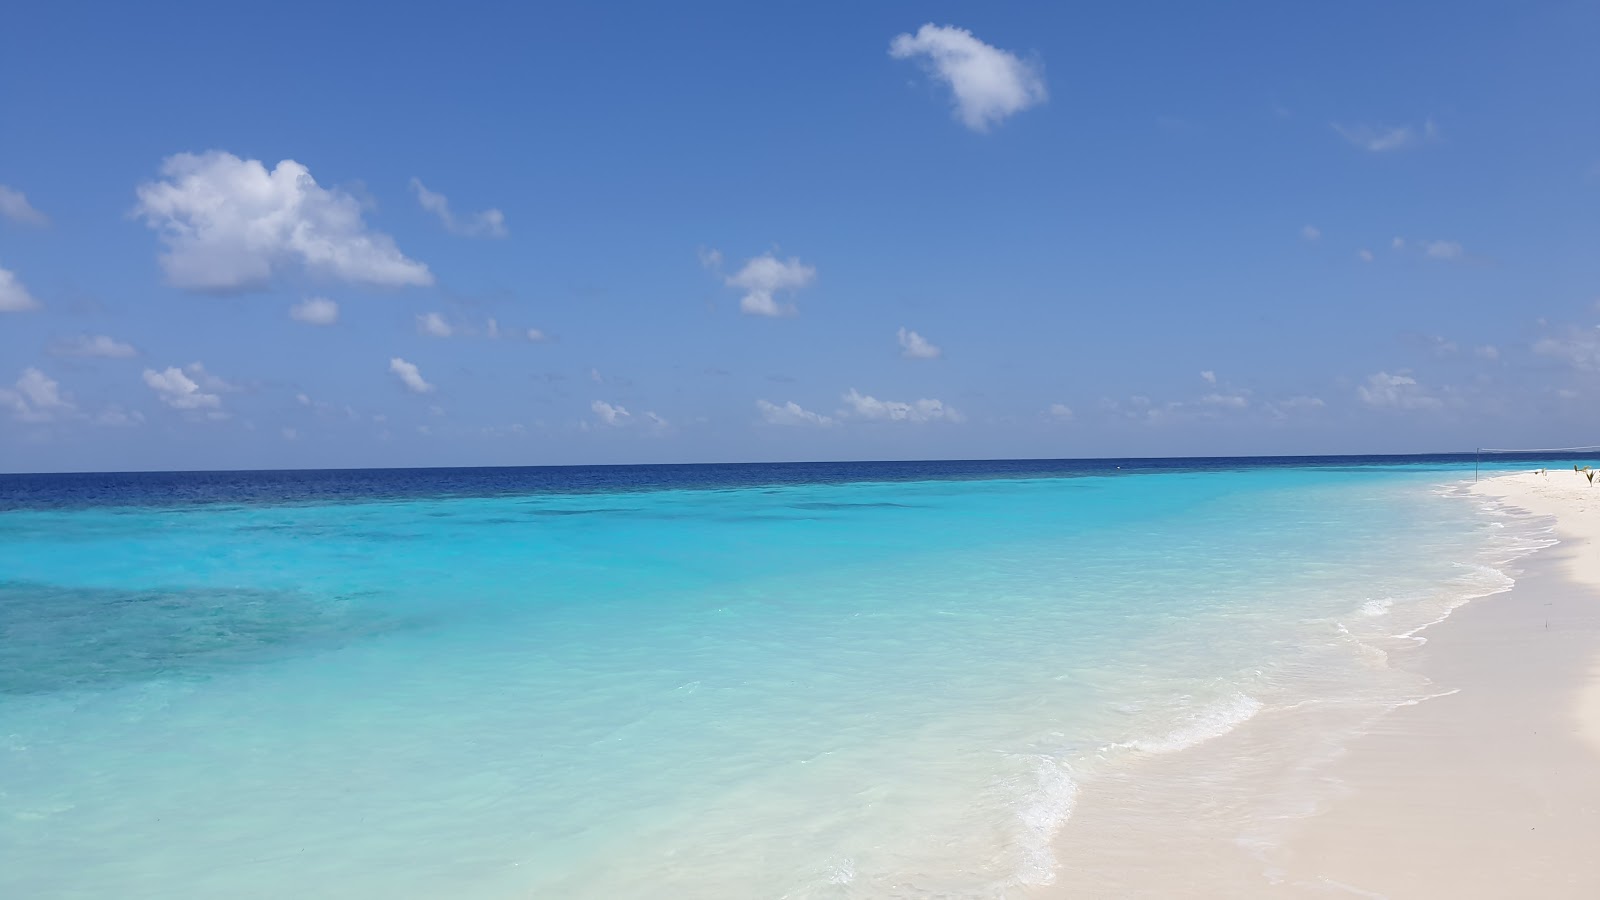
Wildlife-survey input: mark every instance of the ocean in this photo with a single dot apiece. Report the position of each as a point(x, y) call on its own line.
point(724, 681)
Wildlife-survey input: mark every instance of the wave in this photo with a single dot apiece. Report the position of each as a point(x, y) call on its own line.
point(1213, 721)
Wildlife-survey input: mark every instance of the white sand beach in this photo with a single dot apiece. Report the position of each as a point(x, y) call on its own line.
point(1490, 789)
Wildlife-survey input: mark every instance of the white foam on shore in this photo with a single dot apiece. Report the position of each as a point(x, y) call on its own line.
point(1375, 608)
point(1213, 721)
point(1046, 808)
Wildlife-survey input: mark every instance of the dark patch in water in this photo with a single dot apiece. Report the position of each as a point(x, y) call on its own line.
point(579, 512)
point(823, 504)
point(55, 638)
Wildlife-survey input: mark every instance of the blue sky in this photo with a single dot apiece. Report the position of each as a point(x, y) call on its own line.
point(238, 237)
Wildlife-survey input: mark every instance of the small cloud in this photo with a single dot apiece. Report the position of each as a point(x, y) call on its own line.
point(1208, 376)
point(13, 296)
point(791, 413)
point(93, 345)
point(870, 408)
point(764, 276)
point(178, 390)
point(1385, 391)
point(987, 84)
point(1398, 243)
point(290, 434)
point(710, 258)
point(1059, 412)
point(315, 311)
point(36, 398)
point(1311, 233)
point(614, 416)
point(1226, 401)
point(1442, 250)
point(1386, 138)
point(915, 346)
point(409, 376)
point(116, 417)
point(1487, 352)
point(491, 223)
point(14, 207)
point(536, 336)
point(1364, 255)
point(433, 325)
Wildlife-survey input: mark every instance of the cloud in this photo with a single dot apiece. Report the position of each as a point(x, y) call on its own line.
point(791, 413)
point(1579, 348)
point(409, 376)
point(710, 258)
point(872, 409)
point(35, 397)
point(13, 296)
point(229, 225)
point(1386, 138)
point(14, 206)
point(93, 345)
point(1442, 250)
point(765, 275)
point(1385, 391)
point(1060, 412)
point(315, 311)
point(1399, 243)
point(116, 417)
point(433, 325)
point(1311, 233)
point(1226, 401)
point(1364, 255)
point(1208, 376)
point(491, 223)
point(915, 346)
point(987, 84)
point(610, 415)
point(1280, 409)
point(176, 389)
point(1488, 352)
point(536, 336)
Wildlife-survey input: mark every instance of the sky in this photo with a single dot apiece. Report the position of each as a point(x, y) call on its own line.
point(345, 235)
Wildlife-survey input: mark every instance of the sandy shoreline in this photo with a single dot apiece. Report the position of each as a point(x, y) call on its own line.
point(1490, 790)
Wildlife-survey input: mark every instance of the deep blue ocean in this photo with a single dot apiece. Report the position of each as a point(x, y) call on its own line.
point(796, 680)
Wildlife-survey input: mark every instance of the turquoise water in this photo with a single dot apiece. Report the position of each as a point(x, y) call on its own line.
point(787, 689)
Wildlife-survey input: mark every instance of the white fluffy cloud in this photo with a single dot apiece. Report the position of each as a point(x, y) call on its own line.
point(315, 311)
point(93, 345)
point(1364, 255)
point(987, 84)
point(13, 296)
point(1311, 233)
point(1385, 391)
point(1208, 376)
point(491, 223)
point(409, 376)
point(863, 406)
point(766, 275)
point(1060, 412)
point(230, 224)
point(791, 413)
point(433, 325)
point(35, 397)
point(609, 414)
point(15, 207)
point(178, 390)
point(915, 346)
point(1385, 138)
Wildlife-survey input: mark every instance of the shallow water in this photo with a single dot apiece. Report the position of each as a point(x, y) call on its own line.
point(846, 681)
